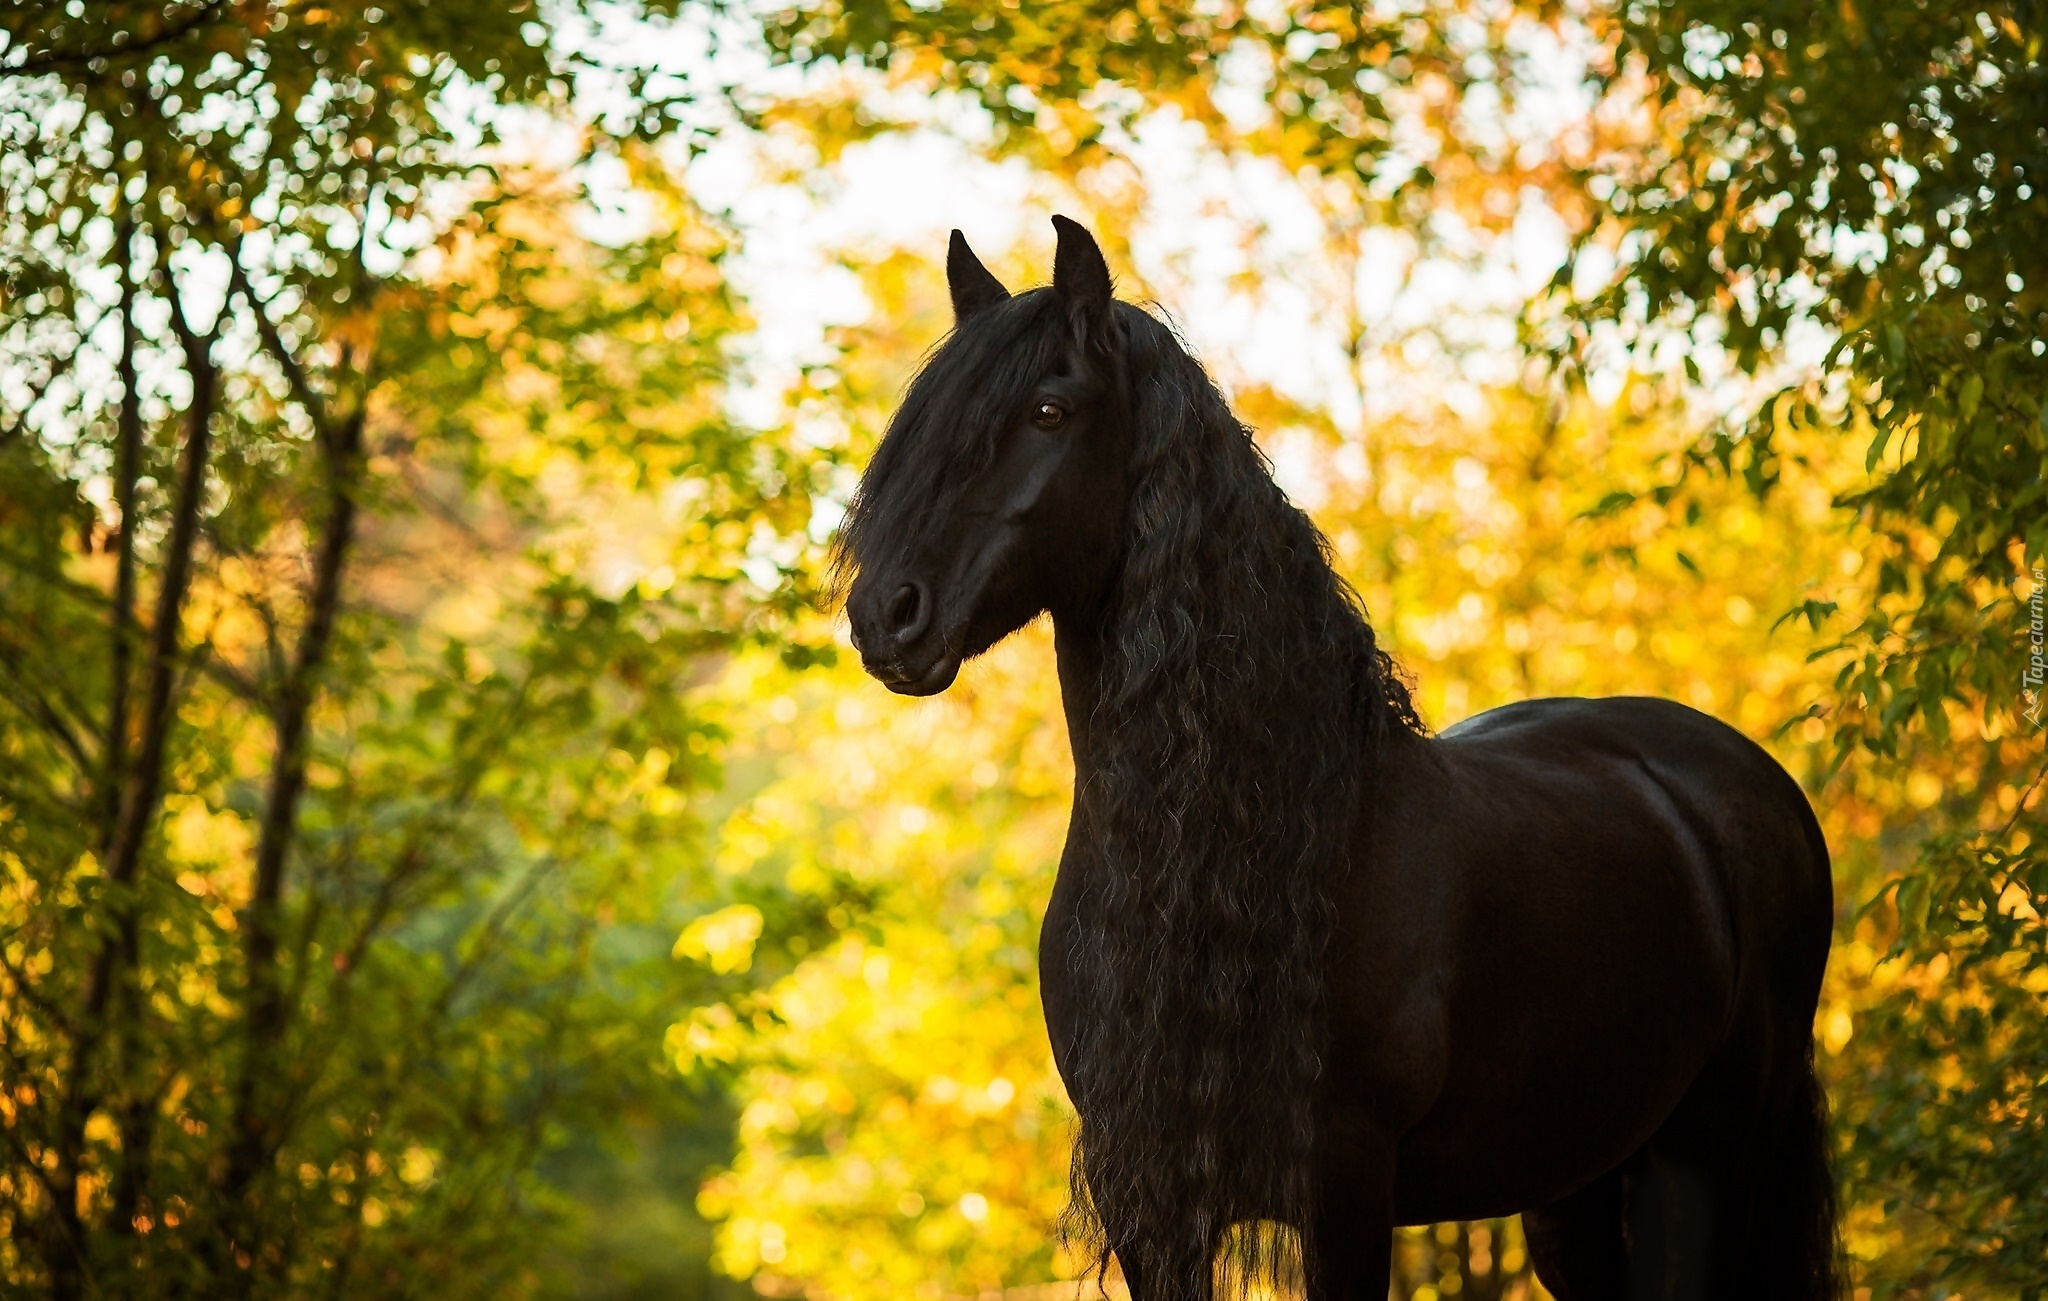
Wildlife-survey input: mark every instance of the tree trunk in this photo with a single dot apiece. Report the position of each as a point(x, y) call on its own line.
point(141, 791)
point(255, 1135)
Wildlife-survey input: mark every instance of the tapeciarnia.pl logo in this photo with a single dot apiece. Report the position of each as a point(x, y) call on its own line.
point(2037, 649)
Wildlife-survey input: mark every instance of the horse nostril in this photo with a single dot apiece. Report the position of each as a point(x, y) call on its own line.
point(906, 611)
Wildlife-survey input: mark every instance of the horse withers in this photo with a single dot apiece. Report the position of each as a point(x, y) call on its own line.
point(1310, 972)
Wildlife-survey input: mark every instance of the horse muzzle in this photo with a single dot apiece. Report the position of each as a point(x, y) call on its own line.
point(893, 631)
point(935, 678)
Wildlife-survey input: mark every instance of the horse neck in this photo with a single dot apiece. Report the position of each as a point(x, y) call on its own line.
point(1083, 646)
point(1080, 653)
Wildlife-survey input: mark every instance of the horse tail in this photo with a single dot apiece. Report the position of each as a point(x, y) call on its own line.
point(1796, 1245)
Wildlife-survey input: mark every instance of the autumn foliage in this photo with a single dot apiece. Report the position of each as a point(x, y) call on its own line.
point(443, 848)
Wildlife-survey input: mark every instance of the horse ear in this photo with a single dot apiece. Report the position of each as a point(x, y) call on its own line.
point(974, 289)
point(1079, 273)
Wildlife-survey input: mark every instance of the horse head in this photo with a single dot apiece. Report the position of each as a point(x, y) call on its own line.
point(998, 491)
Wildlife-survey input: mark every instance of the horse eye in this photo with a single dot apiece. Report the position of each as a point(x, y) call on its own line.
point(1048, 415)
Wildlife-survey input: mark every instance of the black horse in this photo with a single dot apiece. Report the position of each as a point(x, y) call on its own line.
point(1310, 972)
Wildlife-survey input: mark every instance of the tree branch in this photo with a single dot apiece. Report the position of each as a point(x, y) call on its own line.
point(53, 60)
point(253, 1137)
point(411, 860)
point(140, 797)
point(37, 706)
point(20, 421)
point(235, 680)
point(287, 361)
point(254, 1133)
point(24, 988)
point(135, 1114)
point(127, 469)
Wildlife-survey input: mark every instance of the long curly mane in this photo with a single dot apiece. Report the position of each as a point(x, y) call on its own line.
point(1244, 701)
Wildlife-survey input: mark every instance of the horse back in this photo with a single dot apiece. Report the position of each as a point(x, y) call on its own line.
point(1724, 801)
point(1558, 912)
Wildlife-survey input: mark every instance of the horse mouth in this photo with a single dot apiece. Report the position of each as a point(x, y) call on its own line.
point(930, 681)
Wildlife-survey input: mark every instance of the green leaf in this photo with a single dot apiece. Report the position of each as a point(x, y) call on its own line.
point(1610, 504)
point(1815, 612)
point(1913, 899)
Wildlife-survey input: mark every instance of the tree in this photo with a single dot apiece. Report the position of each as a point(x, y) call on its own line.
point(344, 745)
point(381, 580)
point(1874, 168)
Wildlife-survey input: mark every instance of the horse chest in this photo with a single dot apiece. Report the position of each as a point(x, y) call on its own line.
point(1058, 939)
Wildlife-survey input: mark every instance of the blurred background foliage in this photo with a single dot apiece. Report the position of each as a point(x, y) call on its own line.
point(441, 851)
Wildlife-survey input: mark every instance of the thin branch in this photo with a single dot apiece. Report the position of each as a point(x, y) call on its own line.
point(287, 361)
point(16, 426)
point(454, 808)
point(36, 566)
point(199, 656)
point(533, 1131)
point(35, 797)
point(493, 929)
point(54, 60)
point(274, 658)
point(35, 705)
point(296, 376)
point(426, 1039)
point(241, 684)
point(127, 470)
point(25, 989)
point(404, 868)
point(2019, 808)
point(25, 1160)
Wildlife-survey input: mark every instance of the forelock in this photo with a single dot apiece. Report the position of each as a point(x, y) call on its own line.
point(946, 429)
